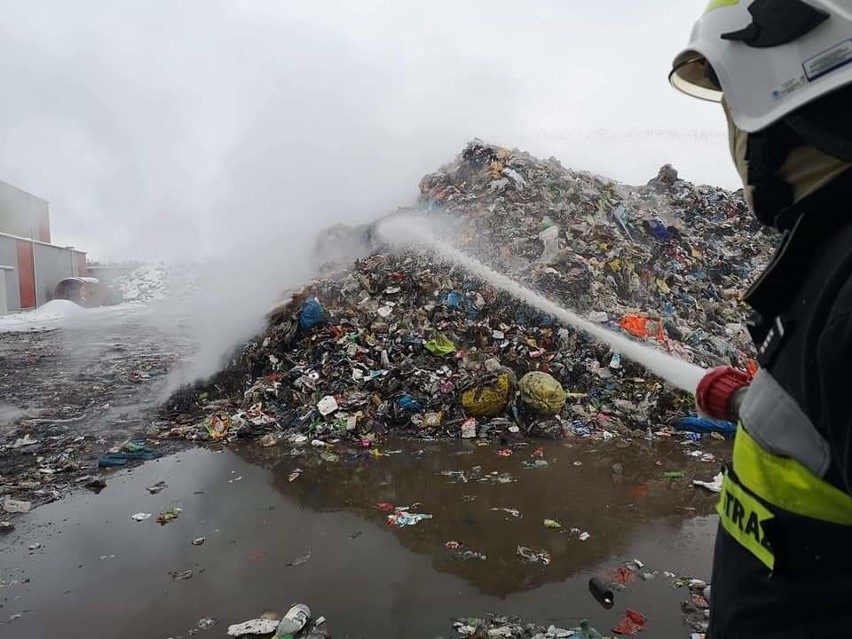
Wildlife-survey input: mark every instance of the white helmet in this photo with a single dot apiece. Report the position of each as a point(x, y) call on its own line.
point(767, 57)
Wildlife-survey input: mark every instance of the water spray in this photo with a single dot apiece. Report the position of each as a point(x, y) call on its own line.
point(409, 231)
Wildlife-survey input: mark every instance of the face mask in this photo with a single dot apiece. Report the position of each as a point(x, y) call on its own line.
point(805, 169)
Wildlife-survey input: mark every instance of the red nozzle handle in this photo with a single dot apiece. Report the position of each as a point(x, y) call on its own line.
point(716, 389)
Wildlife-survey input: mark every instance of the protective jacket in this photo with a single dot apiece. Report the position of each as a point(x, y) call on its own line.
point(783, 559)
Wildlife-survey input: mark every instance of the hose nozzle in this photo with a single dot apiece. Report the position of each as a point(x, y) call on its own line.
point(717, 390)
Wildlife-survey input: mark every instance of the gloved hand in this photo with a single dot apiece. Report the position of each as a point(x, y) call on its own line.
point(716, 390)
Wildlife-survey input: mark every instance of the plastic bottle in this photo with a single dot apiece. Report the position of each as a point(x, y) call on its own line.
point(295, 619)
point(587, 632)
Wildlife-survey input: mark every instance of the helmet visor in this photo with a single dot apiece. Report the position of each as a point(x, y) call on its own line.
point(693, 75)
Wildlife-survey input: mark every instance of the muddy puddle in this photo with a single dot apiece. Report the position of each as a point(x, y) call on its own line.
point(280, 529)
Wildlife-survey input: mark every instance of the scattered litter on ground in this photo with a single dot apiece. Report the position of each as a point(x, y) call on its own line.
point(532, 556)
point(15, 506)
point(602, 591)
point(301, 559)
point(630, 623)
point(509, 511)
point(456, 550)
point(157, 488)
point(500, 626)
point(207, 622)
point(129, 451)
point(169, 516)
point(296, 618)
point(714, 486)
point(401, 517)
point(253, 627)
point(181, 575)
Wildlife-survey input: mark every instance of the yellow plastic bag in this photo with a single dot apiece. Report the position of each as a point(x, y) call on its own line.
point(542, 392)
point(440, 346)
point(487, 401)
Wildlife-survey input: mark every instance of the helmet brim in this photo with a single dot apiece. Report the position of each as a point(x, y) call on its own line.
point(690, 75)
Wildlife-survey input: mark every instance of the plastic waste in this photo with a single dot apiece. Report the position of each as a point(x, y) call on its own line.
point(714, 486)
point(631, 623)
point(702, 425)
point(253, 627)
point(217, 427)
point(296, 618)
point(440, 346)
point(487, 401)
point(542, 392)
point(128, 452)
point(408, 403)
point(468, 428)
point(587, 631)
point(312, 314)
point(168, 516)
point(403, 518)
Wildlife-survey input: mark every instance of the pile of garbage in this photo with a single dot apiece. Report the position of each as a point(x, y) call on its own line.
point(402, 341)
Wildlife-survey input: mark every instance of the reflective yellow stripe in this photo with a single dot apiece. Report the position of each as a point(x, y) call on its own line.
point(785, 483)
point(718, 4)
point(743, 516)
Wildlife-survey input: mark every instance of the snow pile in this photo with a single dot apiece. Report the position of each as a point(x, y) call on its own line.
point(53, 310)
point(41, 318)
point(146, 284)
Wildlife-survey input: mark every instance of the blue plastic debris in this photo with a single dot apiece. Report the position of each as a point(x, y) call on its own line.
point(581, 429)
point(311, 314)
point(702, 425)
point(407, 402)
point(659, 230)
point(129, 452)
point(455, 300)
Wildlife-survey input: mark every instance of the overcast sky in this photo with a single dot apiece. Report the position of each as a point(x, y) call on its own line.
point(162, 127)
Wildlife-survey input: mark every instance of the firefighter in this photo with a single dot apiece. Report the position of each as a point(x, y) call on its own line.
point(782, 71)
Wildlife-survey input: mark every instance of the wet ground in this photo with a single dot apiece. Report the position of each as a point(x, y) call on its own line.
point(71, 390)
point(284, 524)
